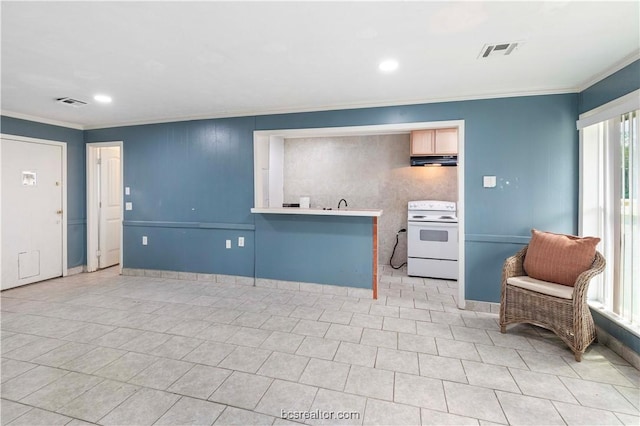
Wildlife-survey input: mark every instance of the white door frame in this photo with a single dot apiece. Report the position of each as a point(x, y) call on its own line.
point(92, 197)
point(63, 145)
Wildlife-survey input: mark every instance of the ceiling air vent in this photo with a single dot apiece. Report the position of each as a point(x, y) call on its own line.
point(72, 102)
point(498, 49)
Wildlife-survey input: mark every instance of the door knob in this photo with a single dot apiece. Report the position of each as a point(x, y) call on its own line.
point(59, 212)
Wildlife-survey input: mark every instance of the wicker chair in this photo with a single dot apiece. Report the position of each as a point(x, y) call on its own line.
point(570, 319)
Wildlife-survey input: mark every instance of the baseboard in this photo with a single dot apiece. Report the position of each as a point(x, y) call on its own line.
point(76, 270)
point(622, 350)
point(361, 293)
point(477, 306)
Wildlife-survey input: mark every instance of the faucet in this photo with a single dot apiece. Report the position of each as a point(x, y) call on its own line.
point(345, 203)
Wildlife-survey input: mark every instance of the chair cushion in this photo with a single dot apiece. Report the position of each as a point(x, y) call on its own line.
point(544, 287)
point(559, 258)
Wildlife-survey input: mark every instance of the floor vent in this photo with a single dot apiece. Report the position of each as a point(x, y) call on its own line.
point(498, 49)
point(72, 102)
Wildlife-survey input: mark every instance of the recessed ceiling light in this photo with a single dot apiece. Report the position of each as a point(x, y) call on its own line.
point(102, 99)
point(388, 65)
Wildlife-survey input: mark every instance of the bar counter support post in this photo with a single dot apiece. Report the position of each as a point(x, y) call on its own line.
point(375, 258)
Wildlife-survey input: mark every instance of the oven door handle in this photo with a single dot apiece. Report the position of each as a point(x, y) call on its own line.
point(438, 225)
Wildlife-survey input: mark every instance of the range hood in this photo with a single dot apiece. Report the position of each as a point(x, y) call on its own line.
point(435, 160)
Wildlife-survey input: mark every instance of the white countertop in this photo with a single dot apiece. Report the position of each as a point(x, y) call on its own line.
point(319, 212)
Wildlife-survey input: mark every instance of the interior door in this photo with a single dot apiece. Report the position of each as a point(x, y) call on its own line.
point(110, 209)
point(31, 212)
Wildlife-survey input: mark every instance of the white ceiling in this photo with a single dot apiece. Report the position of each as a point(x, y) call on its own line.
point(165, 61)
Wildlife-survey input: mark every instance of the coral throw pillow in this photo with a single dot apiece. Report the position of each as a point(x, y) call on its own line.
point(559, 258)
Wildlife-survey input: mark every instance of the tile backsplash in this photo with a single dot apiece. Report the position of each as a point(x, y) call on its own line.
point(370, 172)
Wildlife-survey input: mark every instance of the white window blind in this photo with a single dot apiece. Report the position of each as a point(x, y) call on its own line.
point(609, 207)
point(627, 295)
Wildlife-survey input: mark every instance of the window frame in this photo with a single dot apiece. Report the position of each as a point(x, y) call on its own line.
point(607, 156)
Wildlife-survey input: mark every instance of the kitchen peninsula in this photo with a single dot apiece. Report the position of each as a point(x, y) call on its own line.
point(338, 247)
point(318, 212)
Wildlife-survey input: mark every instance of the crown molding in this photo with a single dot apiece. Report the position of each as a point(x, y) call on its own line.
point(294, 110)
point(41, 120)
point(627, 60)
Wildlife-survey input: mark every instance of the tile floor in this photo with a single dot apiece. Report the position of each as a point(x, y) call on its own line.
point(109, 349)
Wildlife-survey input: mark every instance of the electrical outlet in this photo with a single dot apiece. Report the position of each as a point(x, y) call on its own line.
point(127, 190)
point(228, 244)
point(128, 205)
point(240, 241)
point(144, 240)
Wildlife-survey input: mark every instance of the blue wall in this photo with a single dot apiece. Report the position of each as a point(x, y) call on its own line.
point(191, 188)
point(198, 175)
point(76, 182)
point(616, 85)
point(192, 182)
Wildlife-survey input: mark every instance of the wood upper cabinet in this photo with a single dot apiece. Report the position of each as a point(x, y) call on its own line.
point(434, 142)
point(422, 142)
point(446, 141)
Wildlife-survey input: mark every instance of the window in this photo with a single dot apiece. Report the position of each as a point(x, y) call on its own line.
point(610, 178)
point(627, 295)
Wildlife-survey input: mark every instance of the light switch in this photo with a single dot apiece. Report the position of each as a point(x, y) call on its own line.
point(240, 241)
point(144, 240)
point(127, 190)
point(228, 244)
point(489, 181)
point(128, 205)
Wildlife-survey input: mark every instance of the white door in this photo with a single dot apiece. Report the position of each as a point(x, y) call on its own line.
point(31, 212)
point(109, 207)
